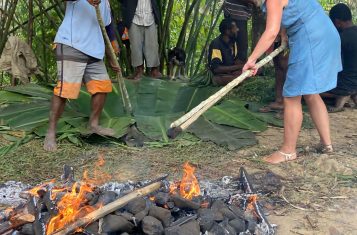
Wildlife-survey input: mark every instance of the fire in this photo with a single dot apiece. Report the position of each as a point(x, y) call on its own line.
point(73, 204)
point(34, 191)
point(71, 207)
point(189, 186)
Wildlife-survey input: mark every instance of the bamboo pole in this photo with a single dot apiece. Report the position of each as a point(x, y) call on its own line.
point(107, 209)
point(185, 121)
point(124, 92)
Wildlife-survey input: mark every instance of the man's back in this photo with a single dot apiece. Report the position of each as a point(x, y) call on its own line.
point(349, 52)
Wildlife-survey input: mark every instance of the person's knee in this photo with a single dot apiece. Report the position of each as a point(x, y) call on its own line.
point(311, 98)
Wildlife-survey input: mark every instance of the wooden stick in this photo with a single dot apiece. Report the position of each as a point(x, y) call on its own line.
point(124, 92)
point(16, 221)
point(107, 209)
point(185, 121)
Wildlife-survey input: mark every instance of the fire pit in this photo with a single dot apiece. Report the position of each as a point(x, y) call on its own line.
point(152, 207)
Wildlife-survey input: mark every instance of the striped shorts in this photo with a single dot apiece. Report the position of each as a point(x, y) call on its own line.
point(75, 68)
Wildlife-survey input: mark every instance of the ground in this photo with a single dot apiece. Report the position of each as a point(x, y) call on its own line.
point(318, 196)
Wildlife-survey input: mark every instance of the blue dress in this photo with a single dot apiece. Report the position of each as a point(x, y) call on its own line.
point(315, 49)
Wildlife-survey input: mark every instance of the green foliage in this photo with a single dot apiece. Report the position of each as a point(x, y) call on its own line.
point(156, 104)
point(196, 28)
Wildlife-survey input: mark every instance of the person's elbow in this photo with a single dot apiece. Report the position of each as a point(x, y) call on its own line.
point(272, 32)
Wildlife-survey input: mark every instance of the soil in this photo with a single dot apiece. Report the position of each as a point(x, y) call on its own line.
point(318, 193)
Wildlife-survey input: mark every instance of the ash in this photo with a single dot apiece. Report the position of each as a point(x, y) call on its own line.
point(223, 188)
point(10, 193)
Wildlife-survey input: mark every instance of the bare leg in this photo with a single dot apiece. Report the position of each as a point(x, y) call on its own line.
point(57, 108)
point(98, 101)
point(292, 125)
point(339, 104)
point(281, 67)
point(319, 115)
point(354, 98)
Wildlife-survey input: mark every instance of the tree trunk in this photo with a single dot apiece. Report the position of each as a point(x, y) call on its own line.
point(258, 26)
point(30, 24)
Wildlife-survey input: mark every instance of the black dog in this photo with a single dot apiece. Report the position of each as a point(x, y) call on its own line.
point(177, 62)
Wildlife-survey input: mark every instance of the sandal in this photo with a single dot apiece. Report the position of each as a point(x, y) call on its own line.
point(324, 149)
point(287, 157)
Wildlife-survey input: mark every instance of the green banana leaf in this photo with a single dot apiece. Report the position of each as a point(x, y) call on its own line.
point(234, 113)
point(233, 138)
point(156, 103)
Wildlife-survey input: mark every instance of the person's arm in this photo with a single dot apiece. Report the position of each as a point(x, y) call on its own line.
point(222, 69)
point(272, 29)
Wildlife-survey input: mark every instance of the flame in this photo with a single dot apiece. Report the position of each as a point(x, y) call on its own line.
point(72, 205)
point(34, 191)
point(252, 200)
point(189, 186)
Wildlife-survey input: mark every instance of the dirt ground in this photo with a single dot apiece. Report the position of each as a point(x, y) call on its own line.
point(318, 193)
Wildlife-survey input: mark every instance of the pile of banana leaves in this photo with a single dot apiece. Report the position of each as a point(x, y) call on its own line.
point(156, 103)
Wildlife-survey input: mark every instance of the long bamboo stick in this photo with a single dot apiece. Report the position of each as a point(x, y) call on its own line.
point(185, 121)
point(124, 92)
point(107, 209)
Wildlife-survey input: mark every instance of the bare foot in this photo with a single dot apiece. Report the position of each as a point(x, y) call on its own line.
point(279, 157)
point(50, 143)
point(155, 73)
point(273, 106)
point(102, 131)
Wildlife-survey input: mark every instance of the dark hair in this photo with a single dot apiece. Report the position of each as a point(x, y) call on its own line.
point(225, 25)
point(340, 12)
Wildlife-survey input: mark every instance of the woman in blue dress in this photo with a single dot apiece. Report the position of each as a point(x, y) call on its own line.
point(314, 62)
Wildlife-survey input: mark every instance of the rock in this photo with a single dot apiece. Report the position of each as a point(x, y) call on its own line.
point(128, 216)
point(216, 230)
point(252, 225)
point(190, 228)
point(238, 212)
point(152, 226)
point(161, 214)
point(222, 229)
point(93, 228)
point(136, 206)
point(140, 216)
point(206, 219)
point(238, 225)
point(115, 223)
point(27, 229)
point(229, 230)
point(227, 213)
point(218, 205)
point(161, 199)
point(183, 203)
point(106, 198)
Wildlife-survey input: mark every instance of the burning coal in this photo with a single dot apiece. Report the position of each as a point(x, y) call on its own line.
point(156, 207)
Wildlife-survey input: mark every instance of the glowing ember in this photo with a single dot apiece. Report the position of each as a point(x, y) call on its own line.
point(189, 186)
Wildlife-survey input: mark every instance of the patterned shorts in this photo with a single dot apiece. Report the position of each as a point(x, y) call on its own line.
point(75, 68)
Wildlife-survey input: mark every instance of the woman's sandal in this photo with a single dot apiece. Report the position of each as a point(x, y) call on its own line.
point(287, 157)
point(324, 149)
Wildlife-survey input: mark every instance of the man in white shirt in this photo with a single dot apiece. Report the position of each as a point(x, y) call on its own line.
point(141, 18)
